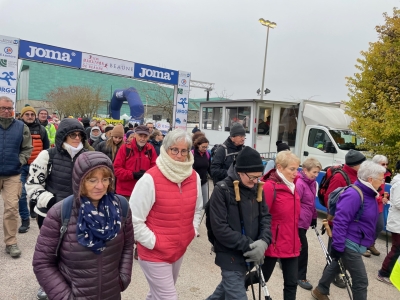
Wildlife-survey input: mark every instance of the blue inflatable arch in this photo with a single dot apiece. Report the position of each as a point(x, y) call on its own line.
point(135, 103)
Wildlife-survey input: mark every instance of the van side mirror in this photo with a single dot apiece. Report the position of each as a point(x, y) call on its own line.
point(329, 148)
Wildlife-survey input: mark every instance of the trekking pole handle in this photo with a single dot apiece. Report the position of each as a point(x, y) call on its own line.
point(327, 228)
point(259, 191)
point(237, 192)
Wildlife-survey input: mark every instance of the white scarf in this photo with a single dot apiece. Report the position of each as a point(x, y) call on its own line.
point(289, 184)
point(366, 183)
point(175, 171)
point(72, 150)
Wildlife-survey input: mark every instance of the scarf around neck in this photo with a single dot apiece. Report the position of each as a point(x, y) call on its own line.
point(289, 184)
point(72, 150)
point(175, 171)
point(98, 225)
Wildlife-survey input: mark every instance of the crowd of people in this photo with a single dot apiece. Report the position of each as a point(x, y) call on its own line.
point(103, 195)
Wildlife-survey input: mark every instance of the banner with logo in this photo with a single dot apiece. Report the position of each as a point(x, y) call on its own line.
point(50, 54)
point(182, 100)
point(9, 67)
point(156, 74)
point(163, 126)
point(104, 64)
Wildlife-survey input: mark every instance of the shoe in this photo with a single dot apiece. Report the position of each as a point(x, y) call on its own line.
point(33, 215)
point(305, 284)
point(135, 254)
point(373, 250)
point(366, 254)
point(41, 295)
point(24, 226)
point(384, 279)
point(339, 282)
point(318, 295)
point(13, 250)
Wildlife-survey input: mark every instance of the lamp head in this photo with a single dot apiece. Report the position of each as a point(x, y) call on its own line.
point(267, 23)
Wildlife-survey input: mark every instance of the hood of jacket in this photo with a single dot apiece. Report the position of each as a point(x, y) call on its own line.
point(395, 180)
point(86, 162)
point(66, 127)
point(272, 175)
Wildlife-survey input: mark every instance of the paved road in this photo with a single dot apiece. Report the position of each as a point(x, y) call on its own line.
point(198, 276)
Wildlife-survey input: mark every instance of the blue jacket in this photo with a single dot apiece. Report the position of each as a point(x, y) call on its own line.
point(10, 144)
point(344, 224)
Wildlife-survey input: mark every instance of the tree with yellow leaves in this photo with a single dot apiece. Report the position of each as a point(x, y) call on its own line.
point(374, 92)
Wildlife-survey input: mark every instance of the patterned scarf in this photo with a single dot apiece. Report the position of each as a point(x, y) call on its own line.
point(97, 226)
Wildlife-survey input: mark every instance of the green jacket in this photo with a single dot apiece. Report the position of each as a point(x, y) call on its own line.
point(51, 133)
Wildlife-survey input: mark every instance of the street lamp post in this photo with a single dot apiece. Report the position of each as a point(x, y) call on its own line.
point(269, 25)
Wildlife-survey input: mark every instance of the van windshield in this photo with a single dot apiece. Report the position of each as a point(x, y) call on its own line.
point(346, 139)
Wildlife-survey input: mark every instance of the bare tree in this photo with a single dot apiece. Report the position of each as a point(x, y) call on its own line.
point(224, 94)
point(159, 98)
point(76, 101)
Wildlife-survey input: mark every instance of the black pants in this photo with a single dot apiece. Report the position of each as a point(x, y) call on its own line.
point(303, 258)
point(289, 270)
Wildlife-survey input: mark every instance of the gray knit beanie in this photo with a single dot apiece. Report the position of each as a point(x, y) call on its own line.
point(237, 129)
point(354, 158)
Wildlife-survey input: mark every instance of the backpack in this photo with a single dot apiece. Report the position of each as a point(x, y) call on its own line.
point(66, 208)
point(208, 154)
point(334, 197)
point(326, 180)
point(215, 148)
point(210, 234)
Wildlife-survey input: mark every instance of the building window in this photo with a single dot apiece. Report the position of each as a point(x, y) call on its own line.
point(212, 118)
point(288, 125)
point(237, 115)
point(264, 121)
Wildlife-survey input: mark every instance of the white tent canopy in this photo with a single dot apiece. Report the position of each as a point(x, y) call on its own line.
point(334, 117)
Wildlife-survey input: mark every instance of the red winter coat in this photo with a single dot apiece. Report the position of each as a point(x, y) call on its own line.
point(124, 165)
point(285, 212)
point(381, 193)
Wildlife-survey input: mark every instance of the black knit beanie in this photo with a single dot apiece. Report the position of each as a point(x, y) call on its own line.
point(354, 158)
point(249, 160)
point(282, 147)
point(237, 129)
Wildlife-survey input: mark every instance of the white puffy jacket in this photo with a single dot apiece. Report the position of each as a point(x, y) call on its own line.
point(393, 220)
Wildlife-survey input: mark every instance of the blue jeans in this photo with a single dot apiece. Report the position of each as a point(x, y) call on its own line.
point(231, 287)
point(22, 203)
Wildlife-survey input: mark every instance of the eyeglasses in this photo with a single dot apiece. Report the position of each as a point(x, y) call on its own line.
point(203, 147)
point(94, 181)
point(74, 135)
point(175, 151)
point(253, 177)
point(29, 115)
point(3, 108)
point(384, 164)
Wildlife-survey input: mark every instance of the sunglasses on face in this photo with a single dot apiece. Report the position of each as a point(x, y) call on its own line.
point(74, 135)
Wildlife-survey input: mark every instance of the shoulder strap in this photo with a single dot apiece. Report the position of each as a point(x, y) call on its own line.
point(361, 210)
point(124, 205)
point(346, 177)
point(66, 208)
point(52, 153)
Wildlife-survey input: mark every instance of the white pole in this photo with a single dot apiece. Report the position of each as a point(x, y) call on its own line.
point(265, 62)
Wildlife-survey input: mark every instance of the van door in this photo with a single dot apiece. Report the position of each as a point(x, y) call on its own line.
point(318, 144)
point(263, 125)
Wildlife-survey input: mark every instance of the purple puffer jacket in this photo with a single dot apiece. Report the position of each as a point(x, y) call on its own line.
point(307, 189)
point(78, 273)
point(344, 225)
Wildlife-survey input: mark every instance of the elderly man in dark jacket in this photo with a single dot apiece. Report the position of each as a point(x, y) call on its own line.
point(233, 248)
point(227, 152)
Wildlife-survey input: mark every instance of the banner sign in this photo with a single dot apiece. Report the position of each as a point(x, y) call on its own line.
point(156, 74)
point(182, 100)
point(8, 67)
point(107, 65)
point(163, 126)
point(50, 54)
point(110, 121)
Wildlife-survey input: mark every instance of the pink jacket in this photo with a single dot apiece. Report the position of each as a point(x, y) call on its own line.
point(306, 189)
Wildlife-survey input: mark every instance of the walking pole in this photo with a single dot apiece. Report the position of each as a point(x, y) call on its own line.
point(386, 231)
point(262, 283)
point(343, 272)
point(237, 198)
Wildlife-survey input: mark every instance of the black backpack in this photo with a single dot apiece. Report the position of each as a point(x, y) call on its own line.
point(210, 234)
point(66, 209)
point(215, 148)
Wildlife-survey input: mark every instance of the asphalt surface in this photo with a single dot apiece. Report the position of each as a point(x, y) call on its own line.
point(198, 276)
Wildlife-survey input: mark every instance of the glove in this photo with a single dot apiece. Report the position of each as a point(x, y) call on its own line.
point(138, 175)
point(313, 223)
point(336, 254)
point(256, 255)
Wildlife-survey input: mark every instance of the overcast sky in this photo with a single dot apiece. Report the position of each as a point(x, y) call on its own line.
point(310, 52)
